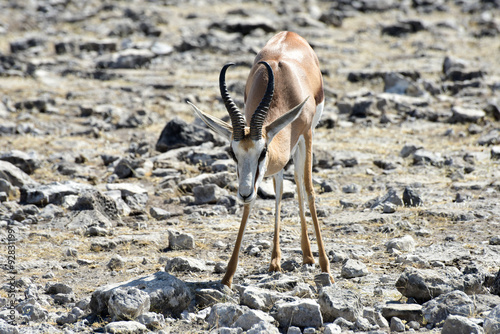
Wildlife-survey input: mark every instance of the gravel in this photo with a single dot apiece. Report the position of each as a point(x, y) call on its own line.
point(120, 206)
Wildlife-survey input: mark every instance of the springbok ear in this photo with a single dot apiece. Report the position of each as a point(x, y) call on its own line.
point(291, 115)
point(217, 125)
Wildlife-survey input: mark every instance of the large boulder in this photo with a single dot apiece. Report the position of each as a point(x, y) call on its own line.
point(168, 295)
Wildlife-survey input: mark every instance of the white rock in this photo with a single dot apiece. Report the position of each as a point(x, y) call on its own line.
point(125, 327)
point(287, 313)
point(251, 318)
point(354, 268)
point(405, 244)
point(128, 303)
point(492, 321)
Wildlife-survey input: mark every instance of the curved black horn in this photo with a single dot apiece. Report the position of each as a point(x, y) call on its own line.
point(261, 112)
point(237, 119)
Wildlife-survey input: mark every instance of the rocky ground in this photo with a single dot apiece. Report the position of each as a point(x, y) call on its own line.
point(117, 207)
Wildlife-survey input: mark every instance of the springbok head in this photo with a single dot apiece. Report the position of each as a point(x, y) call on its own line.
point(249, 144)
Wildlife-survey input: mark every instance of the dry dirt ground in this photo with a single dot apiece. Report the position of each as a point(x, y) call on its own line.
point(161, 87)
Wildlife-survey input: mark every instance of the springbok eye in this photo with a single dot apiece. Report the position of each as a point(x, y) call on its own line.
point(231, 154)
point(263, 154)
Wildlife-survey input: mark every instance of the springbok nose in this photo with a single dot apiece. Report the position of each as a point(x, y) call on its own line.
point(245, 198)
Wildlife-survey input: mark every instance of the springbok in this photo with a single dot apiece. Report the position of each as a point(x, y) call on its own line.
point(283, 103)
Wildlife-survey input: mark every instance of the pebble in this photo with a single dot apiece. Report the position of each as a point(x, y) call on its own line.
point(437, 310)
point(116, 262)
point(405, 244)
point(459, 324)
point(337, 303)
point(397, 325)
point(125, 327)
point(354, 268)
point(309, 310)
point(179, 240)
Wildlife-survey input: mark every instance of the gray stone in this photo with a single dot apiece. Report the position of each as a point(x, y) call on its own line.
point(227, 330)
point(450, 63)
point(408, 312)
point(185, 264)
point(263, 327)
point(456, 324)
point(220, 179)
point(161, 49)
point(63, 298)
point(396, 83)
point(55, 288)
point(364, 325)
point(177, 133)
point(207, 297)
point(137, 202)
point(125, 327)
point(495, 153)
point(423, 157)
point(116, 196)
point(130, 58)
point(95, 200)
point(403, 244)
point(353, 268)
point(86, 219)
point(438, 309)
point(152, 320)
point(15, 175)
point(128, 167)
point(6, 328)
point(102, 244)
point(127, 189)
point(344, 324)
point(266, 189)
point(128, 303)
point(71, 317)
point(411, 197)
point(397, 325)
point(425, 284)
point(337, 303)
point(293, 330)
point(490, 138)
point(259, 299)
point(351, 188)
point(279, 282)
point(116, 262)
point(415, 325)
point(168, 295)
point(323, 279)
point(51, 193)
point(251, 318)
point(27, 162)
point(332, 329)
point(6, 189)
point(225, 314)
point(390, 197)
point(389, 208)
point(492, 321)
point(208, 194)
point(245, 26)
point(159, 213)
point(32, 310)
point(375, 317)
point(408, 150)
point(287, 313)
point(179, 240)
point(466, 115)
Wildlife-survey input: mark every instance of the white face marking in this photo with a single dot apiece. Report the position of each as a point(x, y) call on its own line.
point(251, 168)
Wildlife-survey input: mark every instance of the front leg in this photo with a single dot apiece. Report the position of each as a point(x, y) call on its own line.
point(276, 254)
point(233, 262)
